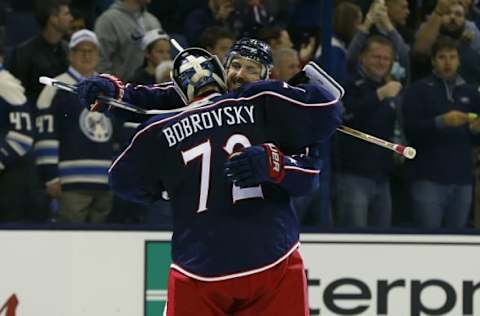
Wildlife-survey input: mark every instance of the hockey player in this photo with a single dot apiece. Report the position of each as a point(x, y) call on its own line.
point(234, 249)
point(16, 139)
point(248, 60)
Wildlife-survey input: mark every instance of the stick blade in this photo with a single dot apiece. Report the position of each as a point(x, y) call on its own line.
point(46, 81)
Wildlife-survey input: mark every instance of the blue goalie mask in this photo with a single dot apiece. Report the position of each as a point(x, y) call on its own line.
point(252, 49)
point(195, 68)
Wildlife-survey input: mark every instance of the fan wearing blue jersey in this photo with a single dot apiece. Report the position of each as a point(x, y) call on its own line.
point(75, 147)
point(234, 248)
point(16, 140)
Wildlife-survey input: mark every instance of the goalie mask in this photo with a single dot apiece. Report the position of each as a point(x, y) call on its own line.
point(253, 49)
point(195, 68)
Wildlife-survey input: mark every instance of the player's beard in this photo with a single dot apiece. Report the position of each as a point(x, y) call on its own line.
point(237, 83)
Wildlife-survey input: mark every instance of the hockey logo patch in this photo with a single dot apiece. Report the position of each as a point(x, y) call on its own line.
point(96, 126)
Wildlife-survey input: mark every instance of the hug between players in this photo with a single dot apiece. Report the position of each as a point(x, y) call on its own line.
point(409, 69)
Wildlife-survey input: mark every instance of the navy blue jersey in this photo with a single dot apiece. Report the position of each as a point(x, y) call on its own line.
point(16, 126)
point(301, 171)
point(74, 145)
point(222, 231)
point(438, 146)
point(150, 97)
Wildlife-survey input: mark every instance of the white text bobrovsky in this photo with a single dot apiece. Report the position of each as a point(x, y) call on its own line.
point(193, 123)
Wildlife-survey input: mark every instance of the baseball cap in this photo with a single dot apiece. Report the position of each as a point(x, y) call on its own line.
point(152, 36)
point(83, 36)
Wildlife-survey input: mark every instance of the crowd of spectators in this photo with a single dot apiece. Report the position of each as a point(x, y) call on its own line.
point(409, 68)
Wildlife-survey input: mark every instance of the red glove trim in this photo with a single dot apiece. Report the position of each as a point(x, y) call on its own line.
point(276, 163)
point(119, 90)
point(119, 85)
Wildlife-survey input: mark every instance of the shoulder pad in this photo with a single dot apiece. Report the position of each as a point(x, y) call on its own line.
point(48, 93)
point(319, 77)
point(11, 89)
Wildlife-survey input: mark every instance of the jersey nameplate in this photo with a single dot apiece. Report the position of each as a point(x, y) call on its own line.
point(193, 123)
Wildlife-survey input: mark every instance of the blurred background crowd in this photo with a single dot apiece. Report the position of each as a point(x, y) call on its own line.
point(410, 70)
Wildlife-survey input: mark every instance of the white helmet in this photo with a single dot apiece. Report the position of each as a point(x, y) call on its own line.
point(195, 68)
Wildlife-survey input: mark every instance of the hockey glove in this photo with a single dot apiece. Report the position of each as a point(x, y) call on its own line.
point(89, 89)
point(255, 165)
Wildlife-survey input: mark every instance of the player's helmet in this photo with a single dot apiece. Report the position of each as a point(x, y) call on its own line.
point(253, 49)
point(194, 68)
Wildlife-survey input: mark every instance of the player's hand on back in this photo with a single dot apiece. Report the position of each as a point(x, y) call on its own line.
point(89, 89)
point(254, 165)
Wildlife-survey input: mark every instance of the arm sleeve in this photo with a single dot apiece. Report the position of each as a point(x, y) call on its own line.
point(302, 172)
point(18, 136)
point(426, 34)
point(354, 48)
point(296, 117)
point(133, 175)
point(402, 48)
point(48, 144)
point(421, 128)
point(149, 97)
point(108, 44)
point(157, 96)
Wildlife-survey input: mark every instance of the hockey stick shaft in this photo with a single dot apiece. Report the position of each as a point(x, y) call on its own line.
point(406, 151)
point(107, 100)
point(176, 45)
